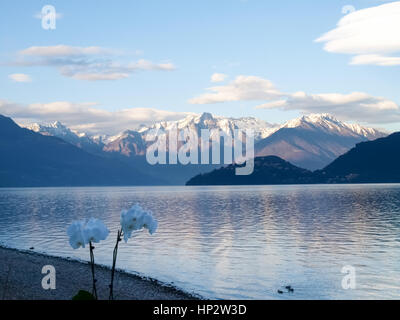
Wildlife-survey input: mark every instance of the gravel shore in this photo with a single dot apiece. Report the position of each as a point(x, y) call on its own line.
point(21, 278)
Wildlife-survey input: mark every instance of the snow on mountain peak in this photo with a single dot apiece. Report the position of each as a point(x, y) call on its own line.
point(57, 129)
point(262, 129)
point(328, 123)
point(314, 118)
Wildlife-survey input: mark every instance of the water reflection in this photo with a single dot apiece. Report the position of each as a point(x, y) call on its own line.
point(230, 242)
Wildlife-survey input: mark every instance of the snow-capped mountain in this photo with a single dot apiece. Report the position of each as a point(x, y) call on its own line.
point(132, 143)
point(261, 128)
point(99, 139)
point(313, 141)
point(329, 124)
point(81, 140)
point(54, 129)
point(128, 143)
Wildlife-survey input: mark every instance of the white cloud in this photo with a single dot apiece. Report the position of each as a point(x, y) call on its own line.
point(98, 76)
point(218, 77)
point(85, 63)
point(376, 59)
point(20, 77)
point(148, 65)
point(86, 117)
point(62, 51)
point(354, 106)
point(242, 88)
point(371, 35)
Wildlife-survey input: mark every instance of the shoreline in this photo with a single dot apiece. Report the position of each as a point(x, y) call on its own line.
point(21, 277)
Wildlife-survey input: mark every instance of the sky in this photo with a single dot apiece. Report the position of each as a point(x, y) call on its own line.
point(112, 65)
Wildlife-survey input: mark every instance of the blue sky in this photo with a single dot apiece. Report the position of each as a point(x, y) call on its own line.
point(269, 40)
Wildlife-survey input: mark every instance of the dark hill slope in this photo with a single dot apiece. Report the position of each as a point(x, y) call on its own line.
point(267, 170)
point(375, 161)
point(29, 159)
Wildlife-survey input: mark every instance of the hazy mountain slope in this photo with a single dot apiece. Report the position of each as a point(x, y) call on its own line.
point(31, 159)
point(129, 143)
point(175, 174)
point(307, 149)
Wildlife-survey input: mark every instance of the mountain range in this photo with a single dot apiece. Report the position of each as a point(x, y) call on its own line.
point(57, 155)
point(310, 142)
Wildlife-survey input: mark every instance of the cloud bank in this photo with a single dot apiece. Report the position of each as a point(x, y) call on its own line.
point(85, 63)
point(371, 35)
point(353, 106)
point(218, 77)
point(86, 117)
point(242, 88)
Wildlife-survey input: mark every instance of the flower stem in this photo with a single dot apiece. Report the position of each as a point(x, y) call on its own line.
point(94, 290)
point(115, 253)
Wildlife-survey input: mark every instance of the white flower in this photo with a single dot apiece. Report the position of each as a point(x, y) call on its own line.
point(95, 231)
point(150, 223)
point(135, 219)
point(82, 232)
point(75, 233)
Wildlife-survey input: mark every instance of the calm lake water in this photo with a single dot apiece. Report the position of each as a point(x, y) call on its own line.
point(230, 242)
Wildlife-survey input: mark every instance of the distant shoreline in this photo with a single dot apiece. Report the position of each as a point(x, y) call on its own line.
point(21, 278)
point(211, 185)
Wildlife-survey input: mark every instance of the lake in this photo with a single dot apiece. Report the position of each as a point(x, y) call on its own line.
point(242, 242)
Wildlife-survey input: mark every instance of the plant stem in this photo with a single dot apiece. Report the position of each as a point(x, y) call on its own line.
point(115, 253)
point(94, 290)
point(6, 284)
